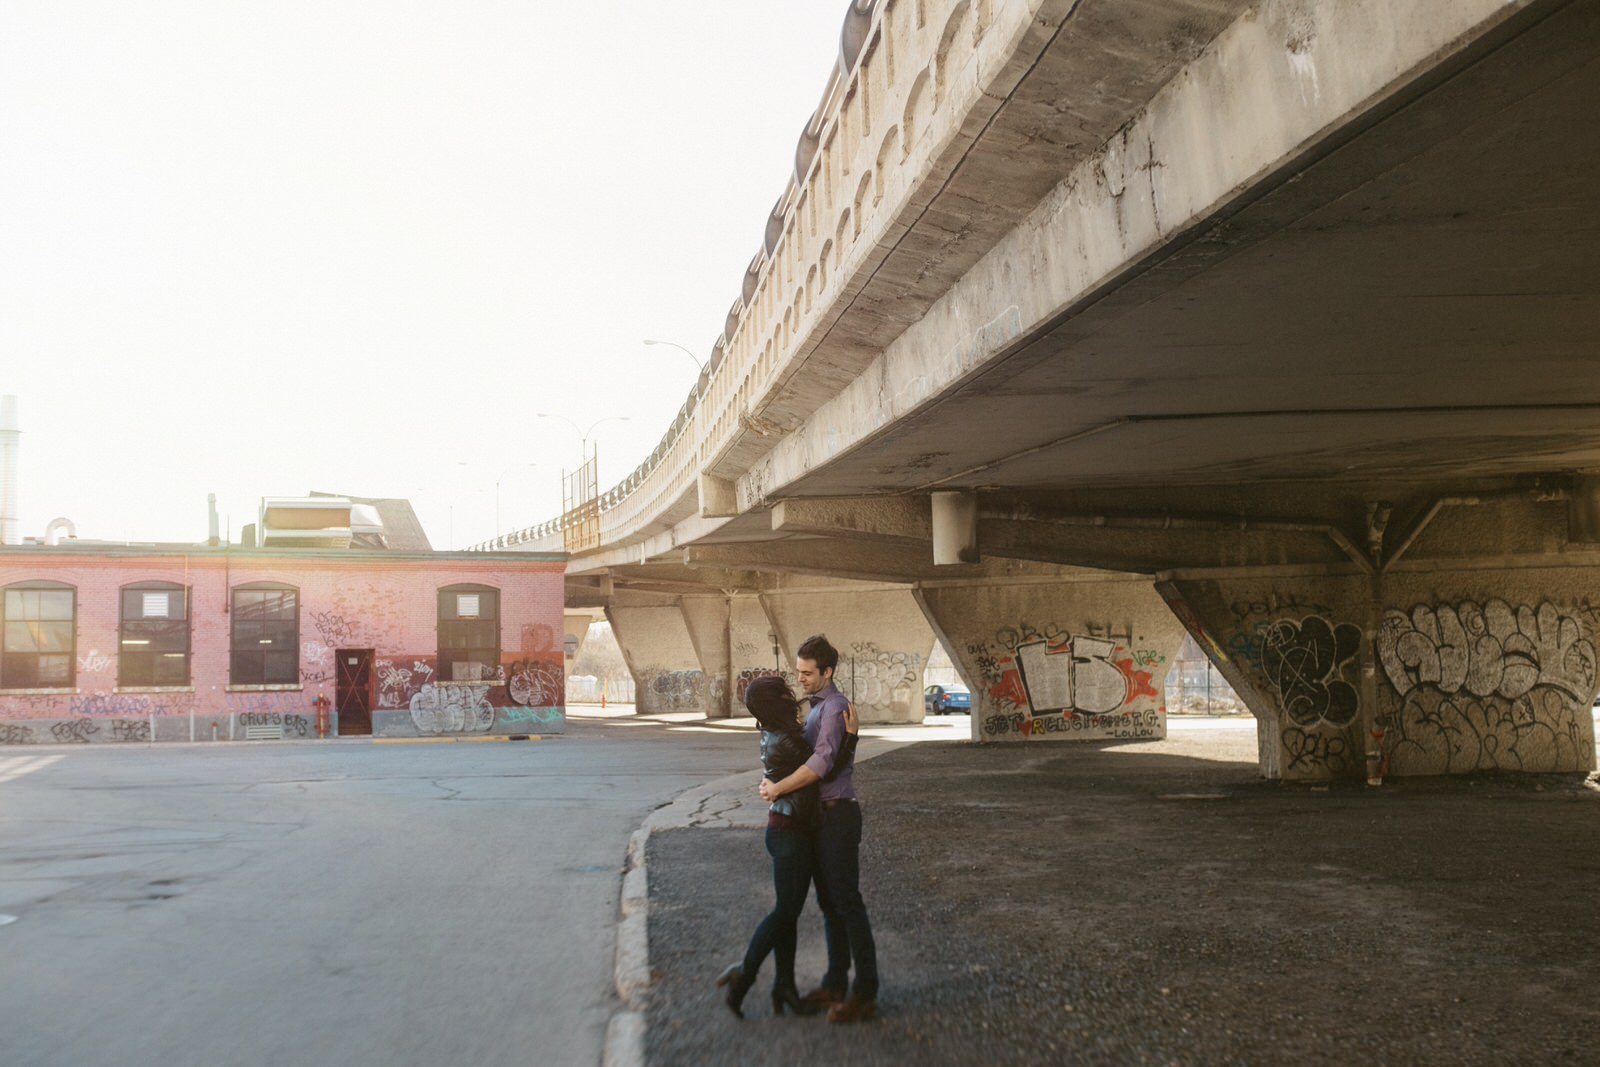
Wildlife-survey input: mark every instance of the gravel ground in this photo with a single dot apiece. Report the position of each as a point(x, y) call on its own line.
point(1132, 904)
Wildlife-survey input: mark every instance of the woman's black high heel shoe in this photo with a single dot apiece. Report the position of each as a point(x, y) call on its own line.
point(789, 997)
point(738, 985)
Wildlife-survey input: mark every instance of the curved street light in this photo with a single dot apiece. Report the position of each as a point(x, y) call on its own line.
point(698, 362)
point(583, 433)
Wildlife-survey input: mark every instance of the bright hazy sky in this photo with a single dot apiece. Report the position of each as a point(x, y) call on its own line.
point(355, 246)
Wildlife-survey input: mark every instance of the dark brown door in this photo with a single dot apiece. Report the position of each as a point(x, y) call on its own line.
point(354, 676)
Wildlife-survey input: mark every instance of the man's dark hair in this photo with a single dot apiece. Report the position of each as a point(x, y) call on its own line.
point(817, 649)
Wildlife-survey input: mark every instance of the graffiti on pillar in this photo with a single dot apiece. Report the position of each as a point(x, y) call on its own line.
point(1044, 682)
point(674, 690)
point(1486, 686)
point(452, 709)
point(1307, 662)
point(1316, 755)
point(1488, 649)
point(877, 678)
point(536, 682)
point(750, 674)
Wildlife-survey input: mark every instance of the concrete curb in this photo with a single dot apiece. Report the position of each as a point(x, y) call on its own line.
point(624, 1040)
point(727, 802)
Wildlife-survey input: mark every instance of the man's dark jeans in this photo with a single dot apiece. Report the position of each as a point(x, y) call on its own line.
point(844, 913)
point(791, 878)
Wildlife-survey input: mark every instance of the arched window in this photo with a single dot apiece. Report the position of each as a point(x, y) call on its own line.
point(266, 635)
point(153, 645)
point(469, 633)
point(38, 649)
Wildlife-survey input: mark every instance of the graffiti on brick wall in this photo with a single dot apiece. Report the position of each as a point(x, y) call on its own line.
point(537, 683)
point(293, 725)
point(1308, 662)
point(1486, 686)
point(452, 709)
point(880, 678)
point(666, 690)
point(99, 705)
point(401, 678)
point(530, 716)
point(1047, 681)
point(538, 637)
point(111, 704)
point(94, 662)
point(267, 703)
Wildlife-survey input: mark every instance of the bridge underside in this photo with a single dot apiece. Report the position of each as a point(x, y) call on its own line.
point(1409, 311)
point(1339, 426)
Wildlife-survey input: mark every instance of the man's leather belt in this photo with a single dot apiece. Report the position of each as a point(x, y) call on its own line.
point(836, 803)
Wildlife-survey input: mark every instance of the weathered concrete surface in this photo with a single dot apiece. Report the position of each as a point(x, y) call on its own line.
point(1159, 903)
point(656, 646)
point(882, 637)
point(1058, 660)
point(1188, 288)
point(1439, 671)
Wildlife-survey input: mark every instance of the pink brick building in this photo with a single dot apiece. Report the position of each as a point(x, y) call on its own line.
point(106, 643)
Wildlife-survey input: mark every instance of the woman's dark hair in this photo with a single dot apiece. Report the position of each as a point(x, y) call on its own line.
point(773, 704)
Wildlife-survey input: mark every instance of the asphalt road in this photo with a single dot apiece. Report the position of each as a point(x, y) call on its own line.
point(325, 903)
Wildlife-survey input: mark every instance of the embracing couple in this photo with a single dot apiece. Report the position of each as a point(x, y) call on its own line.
point(813, 835)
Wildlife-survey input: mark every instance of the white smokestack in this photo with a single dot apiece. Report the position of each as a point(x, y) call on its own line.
point(211, 508)
point(10, 431)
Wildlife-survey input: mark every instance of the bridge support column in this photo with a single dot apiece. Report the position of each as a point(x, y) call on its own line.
point(734, 641)
point(1054, 659)
point(1441, 669)
point(656, 646)
point(882, 638)
point(575, 631)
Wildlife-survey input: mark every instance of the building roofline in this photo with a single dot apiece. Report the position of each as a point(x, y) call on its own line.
point(237, 552)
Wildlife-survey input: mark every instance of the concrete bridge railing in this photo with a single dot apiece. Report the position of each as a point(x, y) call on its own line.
point(913, 79)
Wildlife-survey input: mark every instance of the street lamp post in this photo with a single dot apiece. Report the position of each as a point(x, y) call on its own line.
point(673, 344)
point(497, 482)
point(584, 434)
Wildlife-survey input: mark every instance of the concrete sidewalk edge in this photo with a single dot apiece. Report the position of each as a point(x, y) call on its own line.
point(727, 802)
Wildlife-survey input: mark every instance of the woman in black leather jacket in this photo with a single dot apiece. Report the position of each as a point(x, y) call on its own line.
point(791, 822)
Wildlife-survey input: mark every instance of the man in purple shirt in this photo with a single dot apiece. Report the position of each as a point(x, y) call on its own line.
point(838, 841)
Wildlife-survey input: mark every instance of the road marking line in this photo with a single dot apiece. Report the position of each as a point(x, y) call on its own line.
point(17, 766)
point(449, 740)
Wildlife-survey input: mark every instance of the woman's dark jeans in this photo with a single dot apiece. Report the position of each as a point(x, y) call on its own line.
point(791, 878)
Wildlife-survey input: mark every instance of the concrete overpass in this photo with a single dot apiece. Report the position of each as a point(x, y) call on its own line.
point(1085, 323)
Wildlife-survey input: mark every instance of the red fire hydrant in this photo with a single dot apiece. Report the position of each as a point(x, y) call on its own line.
point(322, 704)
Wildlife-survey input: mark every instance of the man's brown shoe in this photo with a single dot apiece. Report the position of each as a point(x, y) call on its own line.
point(854, 1010)
point(821, 997)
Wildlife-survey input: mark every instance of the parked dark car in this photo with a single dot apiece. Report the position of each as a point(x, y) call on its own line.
point(937, 700)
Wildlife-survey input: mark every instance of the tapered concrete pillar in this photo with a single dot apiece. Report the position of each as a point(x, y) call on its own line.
point(734, 642)
point(575, 631)
point(661, 657)
point(1438, 670)
point(882, 638)
point(1058, 659)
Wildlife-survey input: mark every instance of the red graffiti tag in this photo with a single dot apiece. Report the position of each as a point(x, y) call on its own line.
point(1139, 682)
